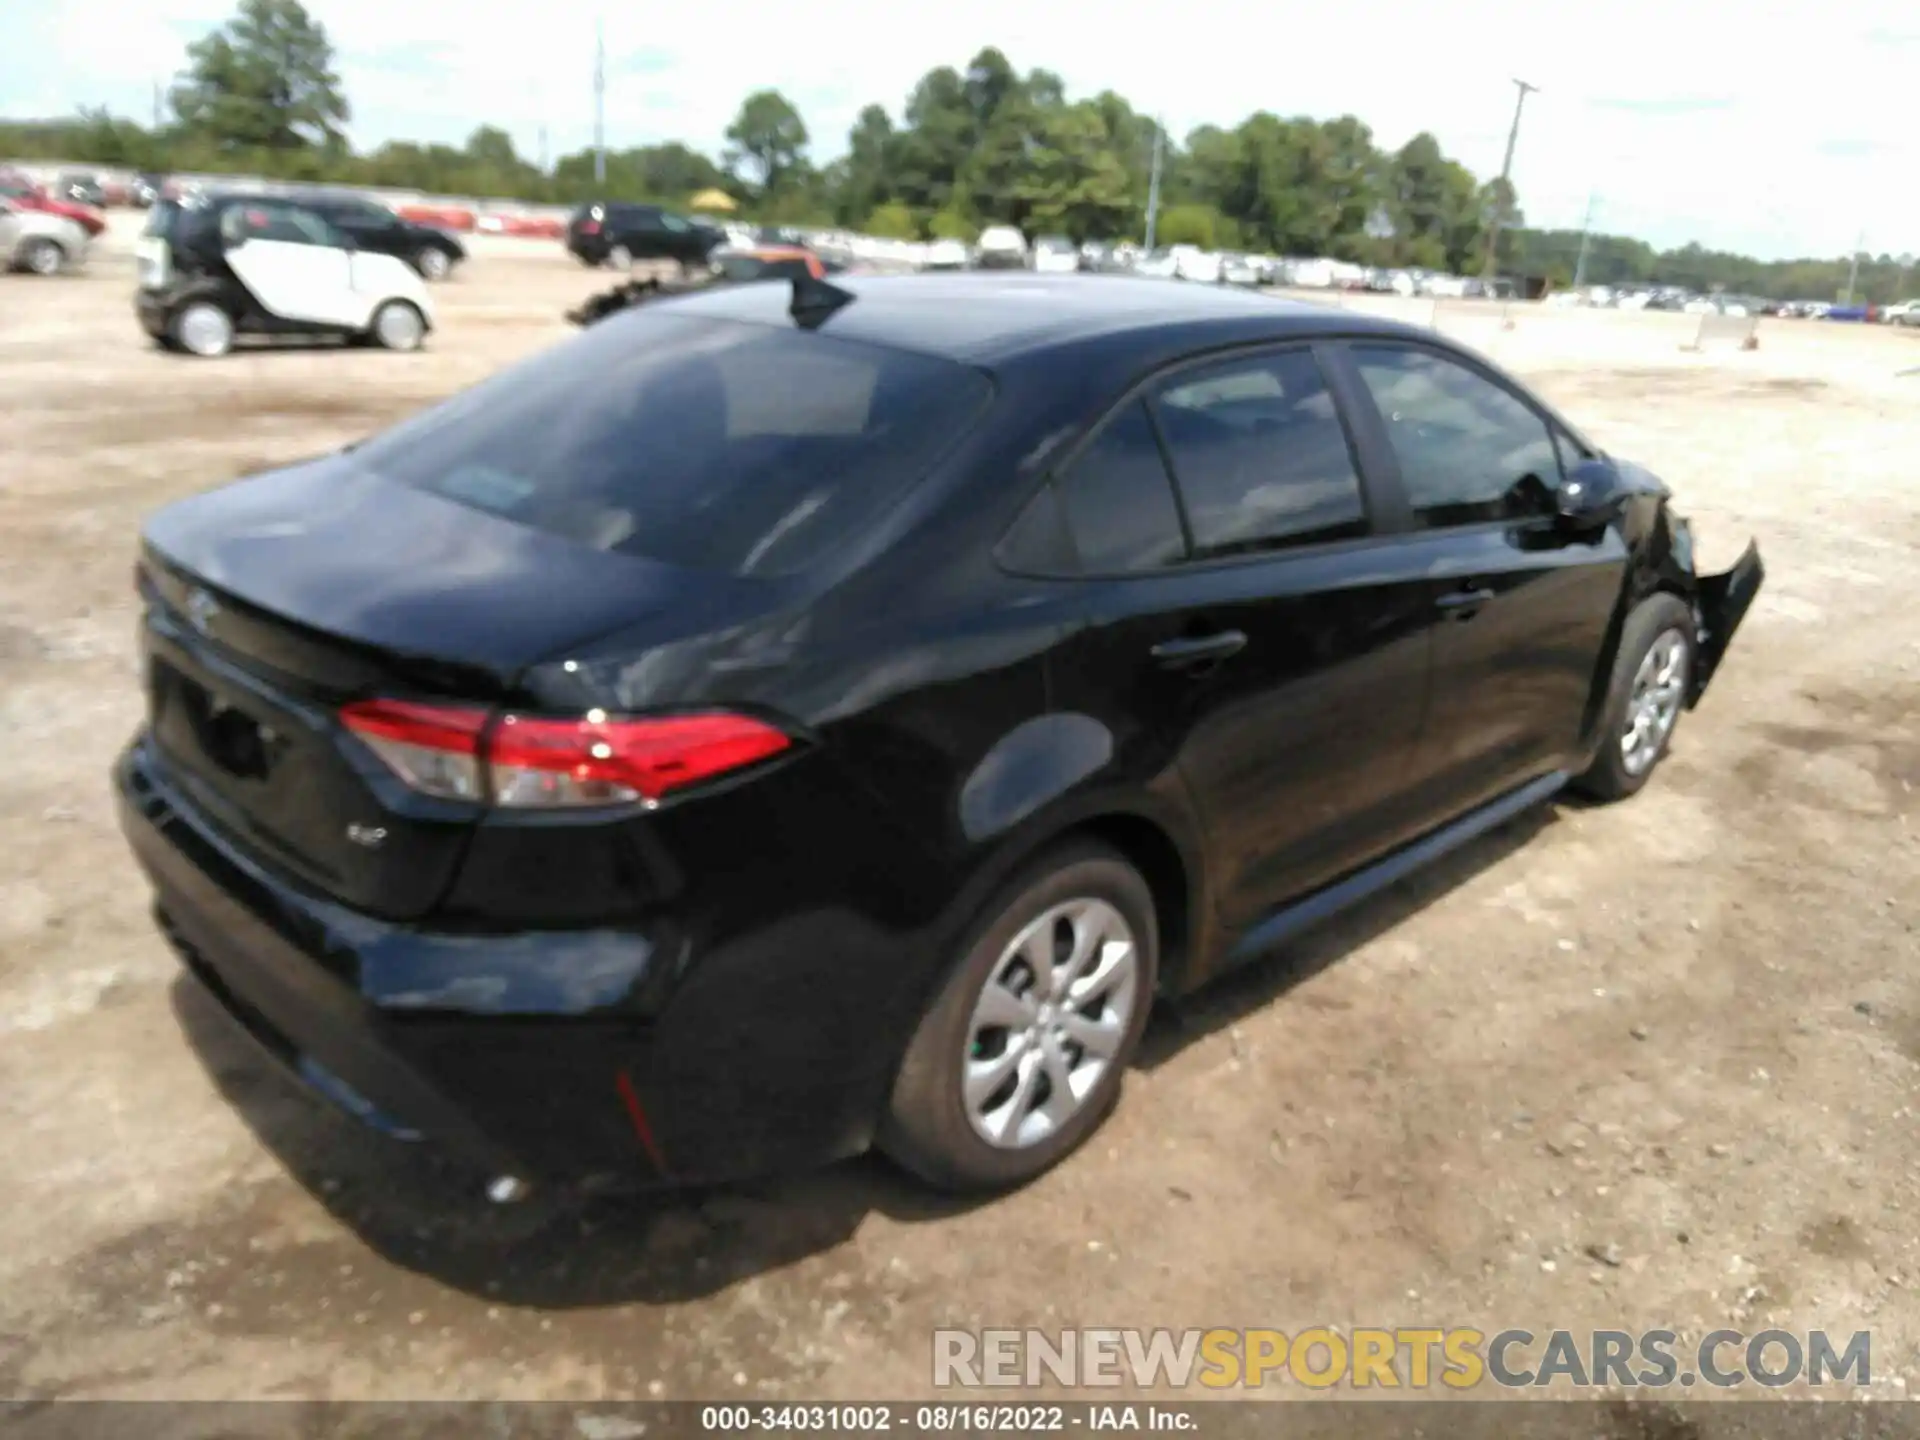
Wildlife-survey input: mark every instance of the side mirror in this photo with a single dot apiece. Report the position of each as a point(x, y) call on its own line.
point(1590, 496)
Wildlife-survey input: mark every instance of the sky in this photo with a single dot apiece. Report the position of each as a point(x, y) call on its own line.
point(1781, 130)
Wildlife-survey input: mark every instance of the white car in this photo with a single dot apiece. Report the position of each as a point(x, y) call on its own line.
point(1190, 262)
point(1001, 247)
point(39, 243)
point(245, 264)
point(1157, 265)
point(1055, 255)
point(946, 255)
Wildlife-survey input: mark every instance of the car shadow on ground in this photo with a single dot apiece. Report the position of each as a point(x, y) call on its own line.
point(564, 1250)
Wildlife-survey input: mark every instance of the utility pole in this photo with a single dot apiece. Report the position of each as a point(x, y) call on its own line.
point(600, 102)
point(1853, 268)
point(543, 149)
point(1586, 235)
point(1506, 171)
point(156, 104)
point(1153, 184)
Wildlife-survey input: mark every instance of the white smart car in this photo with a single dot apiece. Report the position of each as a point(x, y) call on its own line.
point(228, 265)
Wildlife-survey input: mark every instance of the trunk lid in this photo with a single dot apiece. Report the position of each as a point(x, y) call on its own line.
point(272, 602)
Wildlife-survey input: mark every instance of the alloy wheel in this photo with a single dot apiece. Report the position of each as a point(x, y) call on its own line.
point(205, 330)
point(1659, 689)
point(1054, 1013)
point(398, 327)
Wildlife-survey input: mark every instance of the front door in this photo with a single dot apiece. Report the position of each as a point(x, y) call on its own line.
point(293, 263)
point(1239, 622)
point(1523, 607)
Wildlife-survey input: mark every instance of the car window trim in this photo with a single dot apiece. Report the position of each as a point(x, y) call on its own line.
point(1325, 352)
point(1369, 412)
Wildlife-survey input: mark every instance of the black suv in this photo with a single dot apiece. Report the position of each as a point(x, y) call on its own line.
point(618, 234)
point(372, 226)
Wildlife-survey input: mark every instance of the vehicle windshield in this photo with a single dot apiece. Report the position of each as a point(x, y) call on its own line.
point(725, 446)
point(1054, 244)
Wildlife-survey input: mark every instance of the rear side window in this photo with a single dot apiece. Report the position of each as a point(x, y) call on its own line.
point(1260, 455)
point(1119, 501)
point(735, 447)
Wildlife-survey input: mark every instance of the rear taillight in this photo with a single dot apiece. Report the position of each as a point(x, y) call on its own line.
point(589, 227)
point(537, 762)
point(434, 748)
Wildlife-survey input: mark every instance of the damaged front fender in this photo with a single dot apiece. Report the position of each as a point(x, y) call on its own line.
point(1721, 602)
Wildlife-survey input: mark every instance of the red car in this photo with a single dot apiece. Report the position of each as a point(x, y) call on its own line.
point(27, 195)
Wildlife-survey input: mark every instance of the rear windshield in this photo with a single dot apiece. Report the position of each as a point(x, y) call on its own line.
point(736, 447)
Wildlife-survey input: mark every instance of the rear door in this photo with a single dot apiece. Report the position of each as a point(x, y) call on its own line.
point(294, 264)
point(1244, 626)
point(1524, 607)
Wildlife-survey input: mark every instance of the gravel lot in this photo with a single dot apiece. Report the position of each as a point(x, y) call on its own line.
point(1682, 1035)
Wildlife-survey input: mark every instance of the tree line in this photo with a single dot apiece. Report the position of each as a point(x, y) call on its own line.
point(977, 145)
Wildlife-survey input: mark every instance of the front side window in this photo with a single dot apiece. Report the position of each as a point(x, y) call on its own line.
point(1260, 455)
point(1470, 451)
point(733, 447)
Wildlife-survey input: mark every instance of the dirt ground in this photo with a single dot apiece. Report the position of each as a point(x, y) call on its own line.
point(1681, 1035)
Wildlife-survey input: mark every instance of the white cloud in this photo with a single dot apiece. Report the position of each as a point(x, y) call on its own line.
point(1709, 121)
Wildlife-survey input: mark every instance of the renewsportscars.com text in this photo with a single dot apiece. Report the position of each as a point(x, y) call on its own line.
point(1323, 1357)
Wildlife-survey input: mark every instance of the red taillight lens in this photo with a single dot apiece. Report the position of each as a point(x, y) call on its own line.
point(434, 748)
point(539, 762)
point(589, 227)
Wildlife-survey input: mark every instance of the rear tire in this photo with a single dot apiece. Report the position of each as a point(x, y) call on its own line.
point(620, 258)
point(433, 264)
point(202, 328)
point(1015, 1063)
point(1646, 695)
point(399, 326)
point(41, 256)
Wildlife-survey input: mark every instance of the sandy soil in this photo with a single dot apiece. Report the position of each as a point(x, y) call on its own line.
point(1683, 1033)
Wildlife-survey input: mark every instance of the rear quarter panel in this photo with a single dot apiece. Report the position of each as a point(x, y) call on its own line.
point(378, 278)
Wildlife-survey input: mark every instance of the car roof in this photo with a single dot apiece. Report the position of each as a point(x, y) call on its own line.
point(985, 318)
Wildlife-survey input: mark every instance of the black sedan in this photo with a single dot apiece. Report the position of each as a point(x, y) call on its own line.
point(372, 226)
point(775, 721)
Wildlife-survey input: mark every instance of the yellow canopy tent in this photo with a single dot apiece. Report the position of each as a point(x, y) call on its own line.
point(713, 200)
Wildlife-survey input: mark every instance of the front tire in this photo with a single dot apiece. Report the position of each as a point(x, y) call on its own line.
point(203, 329)
point(1652, 676)
point(1021, 1056)
point(398, 326)
point(43, 257)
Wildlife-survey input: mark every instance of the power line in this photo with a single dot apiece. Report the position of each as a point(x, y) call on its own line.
point(1506, 172)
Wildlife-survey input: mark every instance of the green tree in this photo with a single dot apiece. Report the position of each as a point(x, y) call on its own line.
point(864, 179)
point(892, 221)
point(265, 80)
point(1189, 224)
point(767, 136)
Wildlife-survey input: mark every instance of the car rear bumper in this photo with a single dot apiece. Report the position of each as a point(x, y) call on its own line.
point(153, 311)
point(538, 1056)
